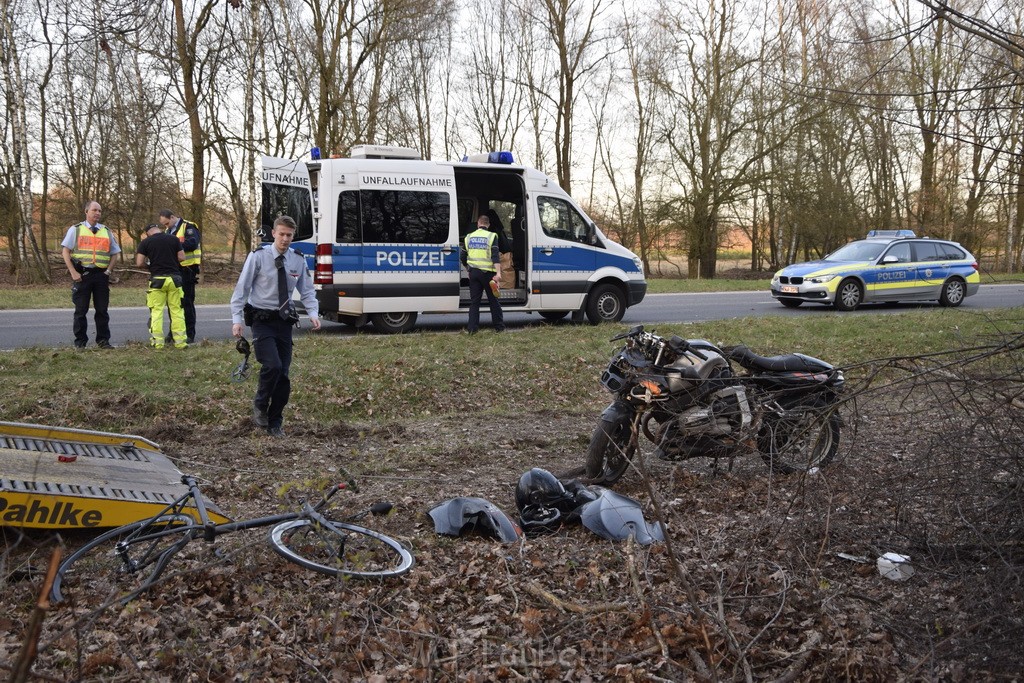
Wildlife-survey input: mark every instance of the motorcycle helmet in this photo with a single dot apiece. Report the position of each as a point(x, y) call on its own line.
point(464, 515)
point(539, 519)
point(540, 487)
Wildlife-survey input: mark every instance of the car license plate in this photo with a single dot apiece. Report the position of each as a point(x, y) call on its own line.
point(789, 289)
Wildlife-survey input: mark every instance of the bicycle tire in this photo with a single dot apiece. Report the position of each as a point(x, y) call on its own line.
point(343, 549)
point(98, 575)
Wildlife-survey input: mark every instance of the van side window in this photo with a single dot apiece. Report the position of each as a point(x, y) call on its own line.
point(289, 201)
point(560, 220)
point(404, 217)
point(348, 217)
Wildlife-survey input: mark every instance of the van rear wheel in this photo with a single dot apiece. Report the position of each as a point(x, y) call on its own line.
point(552, 316)
point(605, 305)
point(393, 323)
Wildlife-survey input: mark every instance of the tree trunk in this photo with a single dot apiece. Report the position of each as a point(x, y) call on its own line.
point(184, 45)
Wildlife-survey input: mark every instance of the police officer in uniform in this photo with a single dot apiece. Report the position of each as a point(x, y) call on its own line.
point(483, 261)
point(88, 250)
point(264, 294)
point(187, 233)
point(164, 253)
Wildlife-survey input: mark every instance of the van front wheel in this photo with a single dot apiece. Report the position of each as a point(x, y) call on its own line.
point(605, 305)
point(393, 323)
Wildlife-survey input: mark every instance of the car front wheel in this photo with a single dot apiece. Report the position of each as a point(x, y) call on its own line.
point(849, 295)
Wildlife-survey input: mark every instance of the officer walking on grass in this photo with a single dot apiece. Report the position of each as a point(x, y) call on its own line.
point(88, 250)
point(263, 298)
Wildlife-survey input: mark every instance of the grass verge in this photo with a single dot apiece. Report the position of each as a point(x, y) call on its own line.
point(551, 368)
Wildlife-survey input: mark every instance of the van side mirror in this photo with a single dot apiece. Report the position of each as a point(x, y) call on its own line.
point(592, 234)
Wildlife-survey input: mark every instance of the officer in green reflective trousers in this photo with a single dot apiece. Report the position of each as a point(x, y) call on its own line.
point(164, 253)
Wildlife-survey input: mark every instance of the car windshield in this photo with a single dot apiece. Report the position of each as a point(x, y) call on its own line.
point(857, 251)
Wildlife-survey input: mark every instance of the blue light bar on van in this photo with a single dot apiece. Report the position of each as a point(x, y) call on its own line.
point(490, 158)
point(315, 153)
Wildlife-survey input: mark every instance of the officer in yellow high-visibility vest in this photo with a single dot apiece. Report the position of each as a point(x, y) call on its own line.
point(89, 249)
point(483, 261)
point(187, 233)
point(164, 254)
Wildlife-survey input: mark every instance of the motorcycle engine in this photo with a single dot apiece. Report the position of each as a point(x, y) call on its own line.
point(696, 431)
point(726, 412)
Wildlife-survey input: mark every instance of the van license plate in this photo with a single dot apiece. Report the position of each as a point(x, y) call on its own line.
point(789, 289)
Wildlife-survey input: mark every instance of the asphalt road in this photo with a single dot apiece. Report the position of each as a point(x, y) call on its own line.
point(51, 328)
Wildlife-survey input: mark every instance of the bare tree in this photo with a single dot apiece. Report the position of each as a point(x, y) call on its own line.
point(574, 30)
point(17, 162)
point(709, 134)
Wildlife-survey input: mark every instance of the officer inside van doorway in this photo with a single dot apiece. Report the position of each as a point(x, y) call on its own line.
point(483, 261)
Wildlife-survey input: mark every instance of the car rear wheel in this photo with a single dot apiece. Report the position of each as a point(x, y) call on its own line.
point(953, 293)
point(849, 295)
point(790, 303)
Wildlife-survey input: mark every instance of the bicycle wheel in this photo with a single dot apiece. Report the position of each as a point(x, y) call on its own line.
point(341, 549)
point(117, 566)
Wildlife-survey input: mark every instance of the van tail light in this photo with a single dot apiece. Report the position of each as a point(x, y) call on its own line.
point(324, 273)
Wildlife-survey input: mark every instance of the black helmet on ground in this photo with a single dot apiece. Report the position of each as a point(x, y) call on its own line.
point(540, 487)
point(544, 501)
point(538, 519)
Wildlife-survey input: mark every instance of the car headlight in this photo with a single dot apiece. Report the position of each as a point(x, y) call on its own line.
point(775, 279)
point(822, 279)
point(639, 264)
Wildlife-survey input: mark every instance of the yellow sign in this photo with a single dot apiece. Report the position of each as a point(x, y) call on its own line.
point(58, 478)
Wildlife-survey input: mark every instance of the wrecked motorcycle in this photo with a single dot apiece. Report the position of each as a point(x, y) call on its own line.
point(685, 397)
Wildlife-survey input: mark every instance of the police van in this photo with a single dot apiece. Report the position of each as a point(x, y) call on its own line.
point(382, 231)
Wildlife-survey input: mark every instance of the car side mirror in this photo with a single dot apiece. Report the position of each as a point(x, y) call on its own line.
point(890, 259)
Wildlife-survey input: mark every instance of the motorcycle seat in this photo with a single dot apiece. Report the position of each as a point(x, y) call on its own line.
point(790, 362)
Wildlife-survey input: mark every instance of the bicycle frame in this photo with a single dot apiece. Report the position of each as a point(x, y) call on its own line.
point(174, 514)
point(141, 551)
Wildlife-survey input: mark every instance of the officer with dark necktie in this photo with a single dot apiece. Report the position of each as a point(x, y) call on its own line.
point(264, 293)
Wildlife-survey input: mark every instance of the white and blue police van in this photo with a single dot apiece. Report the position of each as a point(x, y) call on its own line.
point(382, 231)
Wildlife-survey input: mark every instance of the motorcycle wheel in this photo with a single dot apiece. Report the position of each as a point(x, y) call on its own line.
point(611, 448)
point(804, 437)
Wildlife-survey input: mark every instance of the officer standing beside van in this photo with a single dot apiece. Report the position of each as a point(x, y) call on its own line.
point(263, 299)
point(483, 261)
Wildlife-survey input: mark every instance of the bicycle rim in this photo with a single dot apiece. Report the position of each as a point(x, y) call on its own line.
point(120, 564)
point(340, 549)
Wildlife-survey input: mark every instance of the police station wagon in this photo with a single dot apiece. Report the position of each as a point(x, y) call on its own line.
point(885, 267)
